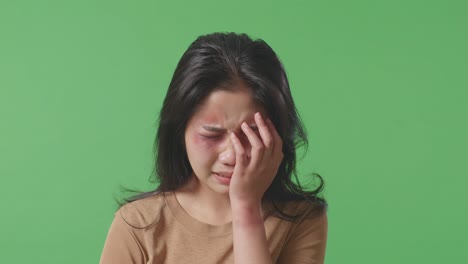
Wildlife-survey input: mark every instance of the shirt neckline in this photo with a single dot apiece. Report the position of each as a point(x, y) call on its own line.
point(199, 228)
point(192, 224)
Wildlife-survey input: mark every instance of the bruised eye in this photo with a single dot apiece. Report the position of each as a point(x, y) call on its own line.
point(211, 136)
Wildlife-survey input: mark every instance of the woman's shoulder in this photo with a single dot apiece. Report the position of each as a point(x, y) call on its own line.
point(301, 208)
point(144, 212)
point(305, 217)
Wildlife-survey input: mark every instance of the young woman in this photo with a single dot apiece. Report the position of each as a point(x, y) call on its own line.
point(225, 162)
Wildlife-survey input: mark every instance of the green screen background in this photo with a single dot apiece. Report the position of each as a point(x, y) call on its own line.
point(381, 85)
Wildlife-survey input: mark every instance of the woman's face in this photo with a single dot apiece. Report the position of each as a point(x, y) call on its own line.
point(209, 148)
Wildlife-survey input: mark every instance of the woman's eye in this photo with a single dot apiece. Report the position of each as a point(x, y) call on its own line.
point(211, 136)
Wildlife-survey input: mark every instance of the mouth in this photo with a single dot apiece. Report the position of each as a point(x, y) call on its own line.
point(224, 175)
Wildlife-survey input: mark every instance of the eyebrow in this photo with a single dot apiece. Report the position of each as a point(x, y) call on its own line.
point(218, 129)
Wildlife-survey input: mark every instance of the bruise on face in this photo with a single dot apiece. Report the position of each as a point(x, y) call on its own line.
point(223, 112)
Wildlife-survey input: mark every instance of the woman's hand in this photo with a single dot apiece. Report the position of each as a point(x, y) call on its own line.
point(253, 174)
point(255, 171)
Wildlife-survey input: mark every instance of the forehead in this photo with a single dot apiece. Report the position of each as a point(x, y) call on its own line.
point(227, 108)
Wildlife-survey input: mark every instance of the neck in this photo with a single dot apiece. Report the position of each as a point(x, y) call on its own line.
point(203, 203)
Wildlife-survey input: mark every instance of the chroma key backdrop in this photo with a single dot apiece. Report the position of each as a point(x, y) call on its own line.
point(382, 87)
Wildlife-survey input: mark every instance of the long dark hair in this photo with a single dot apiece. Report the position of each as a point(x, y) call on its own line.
point(217, 61)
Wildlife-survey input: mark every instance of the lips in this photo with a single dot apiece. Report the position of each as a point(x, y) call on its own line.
point(224, 174)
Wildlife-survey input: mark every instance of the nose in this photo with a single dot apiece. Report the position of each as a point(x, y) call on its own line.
point(227, 156)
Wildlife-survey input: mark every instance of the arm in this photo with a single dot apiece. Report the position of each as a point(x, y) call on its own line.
point(252, 175)
point(121, 245)
point(250, 243)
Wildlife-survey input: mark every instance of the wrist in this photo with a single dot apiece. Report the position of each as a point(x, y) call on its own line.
point(247, 213)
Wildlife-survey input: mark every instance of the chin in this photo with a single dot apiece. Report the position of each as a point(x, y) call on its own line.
point(220, 189)
point(224, 190)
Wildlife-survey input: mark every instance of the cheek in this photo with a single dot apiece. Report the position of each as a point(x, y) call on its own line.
point(204, 144)
point(203, 149)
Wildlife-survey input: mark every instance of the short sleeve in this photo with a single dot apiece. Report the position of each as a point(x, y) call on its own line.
point(307, 242)
point(121, 245)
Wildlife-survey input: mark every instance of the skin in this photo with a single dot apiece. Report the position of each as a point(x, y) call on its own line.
point(230, 135)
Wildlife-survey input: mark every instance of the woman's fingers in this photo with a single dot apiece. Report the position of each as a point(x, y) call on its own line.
point(267, 145)
point(255, 142)
point(264, 131)
point(239, 149)
point(277, 139)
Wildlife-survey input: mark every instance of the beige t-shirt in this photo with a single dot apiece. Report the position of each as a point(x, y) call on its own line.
point(157, 229)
